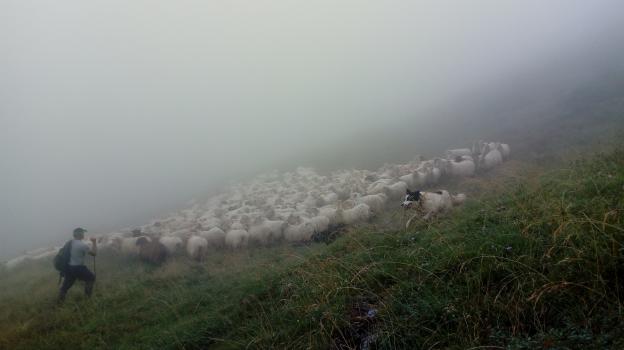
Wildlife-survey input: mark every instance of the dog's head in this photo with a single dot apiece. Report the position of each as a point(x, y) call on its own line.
point(411, 197)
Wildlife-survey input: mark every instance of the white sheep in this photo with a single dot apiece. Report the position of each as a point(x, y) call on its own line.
point(215, 237)
point(236, 238)
point(329, 198)
point(376, 202)
point(320, 223)
point(260, 233)
point(378, 186)
point(358, 213)
point(196, 247)
point(210, 221)
point(276, 228)
point(49, 252)
point(331, 213)
point(462, 168)
point(459, 152)
point(299, 233)
point(490, 157)
point(395, 190)
point(172, 244)
point(15, 262)
point(417, 178)
point(505, 150)
point(184, 233)
point(112, 240)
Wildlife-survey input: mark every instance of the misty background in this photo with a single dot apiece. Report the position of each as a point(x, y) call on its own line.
point(115, 112)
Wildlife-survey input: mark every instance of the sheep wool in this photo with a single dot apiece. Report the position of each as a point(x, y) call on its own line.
point(396, 190)
point(376, 202)
point(196, 247)
point(301, 232)
point(215, 237)
point(129, 245)
point(236, 238)
point(463, 168)
point(172, 244)
point(358, 213)
point(491, 159)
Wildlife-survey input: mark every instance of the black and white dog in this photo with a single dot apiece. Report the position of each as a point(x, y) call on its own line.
point(429, 204)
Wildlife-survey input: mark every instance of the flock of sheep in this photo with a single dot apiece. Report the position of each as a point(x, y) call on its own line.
point(292, 206)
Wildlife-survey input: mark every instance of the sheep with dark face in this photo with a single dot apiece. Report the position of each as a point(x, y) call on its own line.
point(151, 251)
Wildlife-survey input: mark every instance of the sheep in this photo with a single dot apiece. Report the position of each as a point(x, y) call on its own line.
point(331, 213)
point(172, 244)
point(236, 225)
point(329, 198)
point(490, 157)
point(236, 238)
point(184, 233)
point(416, 178)
point(299, 233)
point(210, 221)
point(459, 152)
point(151, 251)
point(260, 233)
point(462, 168)
point(505, 150)
point(15, 262)
point(378, 186)
point(320, 223)
point(430, 172)
point(430, 203)
point(196, 247)
point(297, 204)
point(436, 174)
point(112, 241)
point(50, 252)
point(215, 237)
point(276, 228)
point(395, 190)
point(376, 202)
point(358, 213)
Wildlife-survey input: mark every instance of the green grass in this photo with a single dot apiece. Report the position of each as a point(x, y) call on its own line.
point(533, 260)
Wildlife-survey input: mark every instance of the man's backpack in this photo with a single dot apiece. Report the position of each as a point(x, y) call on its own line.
point(61, 260)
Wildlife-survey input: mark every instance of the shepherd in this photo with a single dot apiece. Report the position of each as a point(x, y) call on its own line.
point(72, 261)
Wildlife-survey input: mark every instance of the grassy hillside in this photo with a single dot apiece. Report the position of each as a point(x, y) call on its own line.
point(533, 260)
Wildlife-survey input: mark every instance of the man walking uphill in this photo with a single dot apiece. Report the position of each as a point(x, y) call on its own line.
point(76, 268)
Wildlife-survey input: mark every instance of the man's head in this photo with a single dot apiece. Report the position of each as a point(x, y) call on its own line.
point(79, 233)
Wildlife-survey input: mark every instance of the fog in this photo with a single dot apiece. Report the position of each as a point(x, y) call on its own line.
point(115, 112)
